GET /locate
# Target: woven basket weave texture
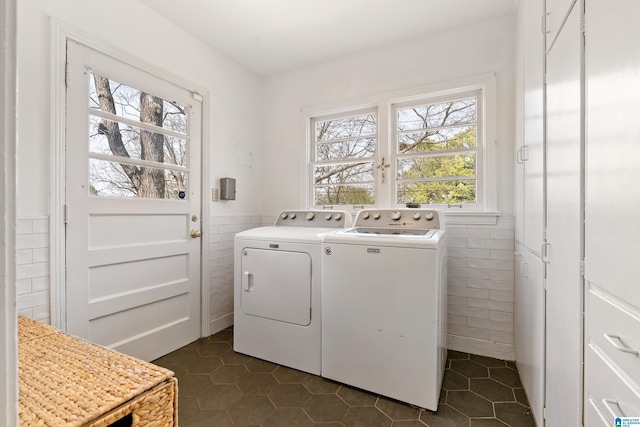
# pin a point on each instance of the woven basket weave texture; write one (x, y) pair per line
(67, 381)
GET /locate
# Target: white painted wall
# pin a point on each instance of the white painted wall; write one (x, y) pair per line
(469, 51)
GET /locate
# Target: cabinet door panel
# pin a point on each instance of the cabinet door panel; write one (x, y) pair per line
(613, 147)
(529, 327)
(519, 93)
(532, 153)
(529, 171)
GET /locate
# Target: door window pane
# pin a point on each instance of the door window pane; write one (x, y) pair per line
(138, 142)
(134, 141)
(111, 179)
(128, 102)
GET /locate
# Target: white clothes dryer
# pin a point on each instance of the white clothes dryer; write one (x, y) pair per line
(277, 288)
(384, 304)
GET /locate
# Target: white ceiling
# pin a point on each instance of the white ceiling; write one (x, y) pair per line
(268, 37)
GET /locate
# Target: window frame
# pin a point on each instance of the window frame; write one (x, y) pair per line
(479, 149)
(484, 211)
(313, 163)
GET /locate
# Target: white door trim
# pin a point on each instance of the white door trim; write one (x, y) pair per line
(8, 148)
(60, 33)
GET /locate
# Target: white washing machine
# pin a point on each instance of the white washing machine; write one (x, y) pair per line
(384, 304)
(277, 281)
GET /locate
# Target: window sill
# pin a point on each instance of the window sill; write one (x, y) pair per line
(471, 218)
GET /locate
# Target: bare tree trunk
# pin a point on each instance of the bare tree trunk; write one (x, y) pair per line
(146, 182)
(152, 147)
(112, 130)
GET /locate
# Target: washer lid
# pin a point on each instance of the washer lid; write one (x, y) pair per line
(428, 239)
(392, 231)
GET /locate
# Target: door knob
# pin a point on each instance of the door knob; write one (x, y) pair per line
(195, 234)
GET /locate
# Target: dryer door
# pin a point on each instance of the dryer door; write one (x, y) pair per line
(276, 285)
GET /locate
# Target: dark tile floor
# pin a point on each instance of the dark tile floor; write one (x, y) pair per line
(218, 387)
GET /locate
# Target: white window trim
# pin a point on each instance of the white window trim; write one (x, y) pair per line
(487, 212)
(8, 172)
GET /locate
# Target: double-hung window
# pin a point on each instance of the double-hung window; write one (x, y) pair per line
(437, 150)
(429, 148)
(344, 155)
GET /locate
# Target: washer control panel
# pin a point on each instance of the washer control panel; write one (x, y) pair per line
(400, 218)
(315, 218)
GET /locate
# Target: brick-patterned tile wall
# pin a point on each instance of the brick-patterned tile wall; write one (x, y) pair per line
(222, 231)
(32, 270)
(481, 288)
(480, 279)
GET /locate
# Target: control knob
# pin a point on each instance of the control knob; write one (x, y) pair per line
(376, 215)
(428, 216)
(365, 215)
(416, 215)
(309, 216)
(337, 217)
(292, 216)
(395, 215)
(284, 215)
(327, 217)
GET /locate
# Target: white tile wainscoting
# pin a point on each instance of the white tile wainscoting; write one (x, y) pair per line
(480, 279)
(481, 288)
(480, 282)
(32, 273)
(222, 230)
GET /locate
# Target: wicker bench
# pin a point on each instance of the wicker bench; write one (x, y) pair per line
(67, 381)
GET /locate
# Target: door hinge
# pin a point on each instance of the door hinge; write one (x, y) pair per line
(582, 267)
(583, 25)
(522, 155)
(543, 23)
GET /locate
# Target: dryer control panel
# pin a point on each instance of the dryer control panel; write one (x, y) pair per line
(315, 218)
(408, 219)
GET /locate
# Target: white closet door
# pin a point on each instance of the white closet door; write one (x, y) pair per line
(564, 289)
(613, 149)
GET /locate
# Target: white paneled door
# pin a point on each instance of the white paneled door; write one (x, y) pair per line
(133, 207)
(563, 254)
